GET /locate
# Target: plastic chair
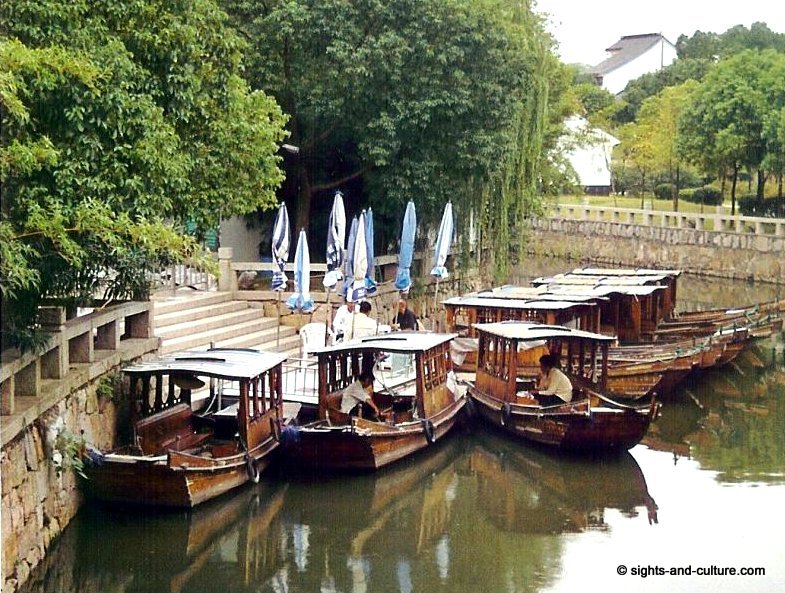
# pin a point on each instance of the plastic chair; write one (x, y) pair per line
(312, 335)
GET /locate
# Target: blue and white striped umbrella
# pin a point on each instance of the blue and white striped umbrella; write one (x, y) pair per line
(443, 243)
(359, 261)
(403, 280)
(348, 275)
(301, 298)
(336, 233)
(280, 245)
(370, 282)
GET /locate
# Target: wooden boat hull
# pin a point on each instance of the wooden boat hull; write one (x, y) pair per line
(172, 480)
(367, 445)
(575, 427)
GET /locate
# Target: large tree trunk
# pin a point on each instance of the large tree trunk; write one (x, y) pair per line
(733, 189)
(761, 184)
(304, 198)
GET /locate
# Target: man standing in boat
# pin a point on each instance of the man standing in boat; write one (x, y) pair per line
(553, 386)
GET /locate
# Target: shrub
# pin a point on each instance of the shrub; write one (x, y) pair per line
(750, 205)
(663, 191)
(702, 195)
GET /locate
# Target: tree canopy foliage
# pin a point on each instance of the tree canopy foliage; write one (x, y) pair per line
(430, 100)
(719, 108)
(121, 120)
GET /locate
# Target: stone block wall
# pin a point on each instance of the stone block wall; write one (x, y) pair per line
(39, 495)
(725, 255)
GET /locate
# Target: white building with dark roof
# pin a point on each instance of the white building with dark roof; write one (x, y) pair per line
(633, 56)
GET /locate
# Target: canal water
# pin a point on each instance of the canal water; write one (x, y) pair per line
(702, 497)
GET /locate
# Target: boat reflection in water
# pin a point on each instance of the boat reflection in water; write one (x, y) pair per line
(348, 533)
(730, 421)
(366, 532)
(531, 491)
(229, 544)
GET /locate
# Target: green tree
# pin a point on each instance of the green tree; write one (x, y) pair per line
(660, 115)
(424, 99)
(635, 152)
(118, 116)
(723, 125)
(648, 85)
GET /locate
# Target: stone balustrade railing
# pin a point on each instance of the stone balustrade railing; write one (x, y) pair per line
(717, 221)
(77, 351)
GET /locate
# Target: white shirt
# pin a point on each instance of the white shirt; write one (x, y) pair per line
(556, 383)
(359, 327)
(353, 395)
(342, 315)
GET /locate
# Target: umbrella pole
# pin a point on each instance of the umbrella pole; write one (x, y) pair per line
(435, 300)
(278, 327)
(329, 319)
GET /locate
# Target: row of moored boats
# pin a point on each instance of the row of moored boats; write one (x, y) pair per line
(207, 422)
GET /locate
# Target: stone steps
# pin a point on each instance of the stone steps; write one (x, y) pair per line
(173, 317)
(193, 320)
(188, 299)
(205, 324)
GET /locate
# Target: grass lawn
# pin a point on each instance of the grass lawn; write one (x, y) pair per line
(630, 202)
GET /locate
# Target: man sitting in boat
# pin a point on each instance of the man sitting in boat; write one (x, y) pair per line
(553, 386)
(358, 393)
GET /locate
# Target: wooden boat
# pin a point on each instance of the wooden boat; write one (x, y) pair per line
(628, 377)
(591, 421)
(179, 458)
(418, 396)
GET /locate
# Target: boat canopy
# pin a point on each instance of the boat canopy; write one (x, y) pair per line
(572, 291)
(401, 341)
(221, 363)
(510, 303)
(596, 281)
(525, 331)
(626, 272)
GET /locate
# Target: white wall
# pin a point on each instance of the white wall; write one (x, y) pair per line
(589, 152)
(655, 58)
(243, 241)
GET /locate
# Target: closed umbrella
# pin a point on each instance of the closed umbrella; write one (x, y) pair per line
(280, 249)
(403, 280)
(443, 243)
(348, 266)
(370, 283)
(301, 299)
(359, 261)
(336, 234)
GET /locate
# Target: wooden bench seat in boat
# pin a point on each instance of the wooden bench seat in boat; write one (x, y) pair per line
(170, 429)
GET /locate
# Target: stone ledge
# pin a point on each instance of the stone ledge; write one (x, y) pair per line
(54, 390)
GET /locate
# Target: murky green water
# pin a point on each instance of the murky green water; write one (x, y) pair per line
(480, 512)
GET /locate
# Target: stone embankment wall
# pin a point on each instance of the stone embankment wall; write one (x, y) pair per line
(53, 403)
(745, 256)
